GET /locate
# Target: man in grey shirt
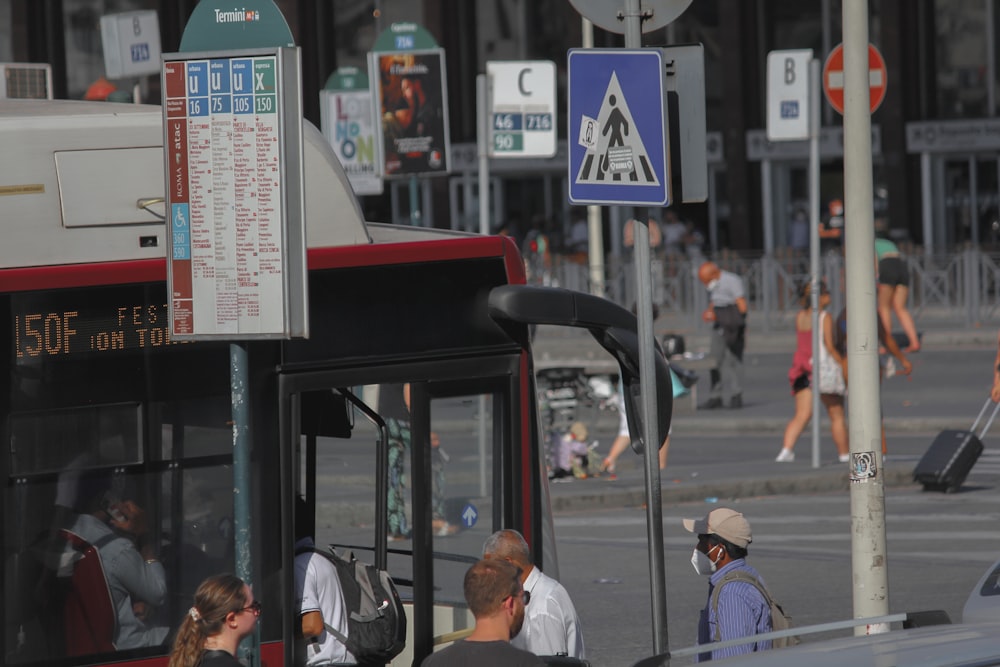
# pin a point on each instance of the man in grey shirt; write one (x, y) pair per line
(727, 309)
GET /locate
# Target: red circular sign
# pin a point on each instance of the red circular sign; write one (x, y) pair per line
(833, 78)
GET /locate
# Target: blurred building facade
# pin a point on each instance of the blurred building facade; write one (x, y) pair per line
(936, 146)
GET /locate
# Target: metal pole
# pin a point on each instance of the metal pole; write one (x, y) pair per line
(767, 204)
(868, 545)
(482, 109)
(415, 216)
(482, 102)
(926, 203)
(239, 383)
(644, 310)
(814, 270)
(595, 229)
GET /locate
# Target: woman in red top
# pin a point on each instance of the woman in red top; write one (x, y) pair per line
(831, 378)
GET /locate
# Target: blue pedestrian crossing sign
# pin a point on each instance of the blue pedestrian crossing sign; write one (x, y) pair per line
(617, 128)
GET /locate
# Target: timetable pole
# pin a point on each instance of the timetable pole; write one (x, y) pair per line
(647, 379)
(239, 382)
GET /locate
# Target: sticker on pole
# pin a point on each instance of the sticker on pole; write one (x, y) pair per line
(863, 466)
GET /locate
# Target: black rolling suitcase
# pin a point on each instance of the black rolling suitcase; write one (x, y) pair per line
(952, 454)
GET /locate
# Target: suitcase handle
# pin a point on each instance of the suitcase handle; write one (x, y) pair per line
(996, 408)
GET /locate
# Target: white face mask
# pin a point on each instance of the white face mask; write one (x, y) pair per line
(712, 284)
(702, 564)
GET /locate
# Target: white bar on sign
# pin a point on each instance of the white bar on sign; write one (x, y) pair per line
(835, 80)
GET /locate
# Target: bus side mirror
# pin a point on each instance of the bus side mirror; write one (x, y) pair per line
(614, 328)
(624, 345)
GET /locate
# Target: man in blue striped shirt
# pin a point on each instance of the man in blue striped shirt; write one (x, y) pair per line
(741, 611)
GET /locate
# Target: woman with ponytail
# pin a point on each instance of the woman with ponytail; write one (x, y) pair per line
(224, 612)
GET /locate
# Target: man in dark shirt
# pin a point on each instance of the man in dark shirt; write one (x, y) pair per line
(495, 597)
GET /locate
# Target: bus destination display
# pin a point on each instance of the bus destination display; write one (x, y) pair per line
(46, 332)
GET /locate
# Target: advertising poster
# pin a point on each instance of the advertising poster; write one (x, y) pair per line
(349, 126)
(412, 99)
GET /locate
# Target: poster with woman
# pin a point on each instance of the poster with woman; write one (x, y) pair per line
(412, 97)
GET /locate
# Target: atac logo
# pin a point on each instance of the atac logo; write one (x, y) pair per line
(237, 16)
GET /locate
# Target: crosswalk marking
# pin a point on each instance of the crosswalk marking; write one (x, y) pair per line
(618, 155)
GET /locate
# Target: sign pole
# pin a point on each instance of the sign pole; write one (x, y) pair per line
(415, 214)
(647, 379)
(595, 233)
(868, 544)
(814, 270)
(482, 111)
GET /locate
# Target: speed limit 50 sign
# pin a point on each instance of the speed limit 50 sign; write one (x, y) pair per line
(522, 108)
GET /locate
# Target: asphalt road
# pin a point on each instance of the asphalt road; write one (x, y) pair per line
(938, 547)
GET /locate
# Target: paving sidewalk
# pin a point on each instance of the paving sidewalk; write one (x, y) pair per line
(939, 395)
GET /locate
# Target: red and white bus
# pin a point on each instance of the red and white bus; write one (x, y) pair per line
(99, 400)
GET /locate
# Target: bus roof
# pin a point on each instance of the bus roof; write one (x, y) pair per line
(73, 173)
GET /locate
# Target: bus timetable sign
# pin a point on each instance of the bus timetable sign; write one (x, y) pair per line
(233, 150)
(522, 108)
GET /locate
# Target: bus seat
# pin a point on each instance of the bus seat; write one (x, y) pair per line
(88, 613)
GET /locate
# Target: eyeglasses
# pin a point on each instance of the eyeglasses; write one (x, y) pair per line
(525, 597)
(253, 608)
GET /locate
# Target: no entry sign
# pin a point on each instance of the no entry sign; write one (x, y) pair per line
(833, 78)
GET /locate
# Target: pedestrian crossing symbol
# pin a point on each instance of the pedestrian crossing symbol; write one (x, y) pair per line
(617, 106)
(614, 147)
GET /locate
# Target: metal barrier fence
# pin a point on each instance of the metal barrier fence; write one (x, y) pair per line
(962, 288)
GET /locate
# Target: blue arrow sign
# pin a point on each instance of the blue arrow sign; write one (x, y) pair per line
(469, 516)
(617, 127)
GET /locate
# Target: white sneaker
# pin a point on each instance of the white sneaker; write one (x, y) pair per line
(845, 458)
(785, 456)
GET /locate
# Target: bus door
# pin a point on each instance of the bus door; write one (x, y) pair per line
(411, 476)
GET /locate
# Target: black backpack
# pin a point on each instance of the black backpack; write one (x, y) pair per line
(376, 621)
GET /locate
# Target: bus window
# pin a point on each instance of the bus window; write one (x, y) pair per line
(113, 515)
(462, 502)
(63, 439)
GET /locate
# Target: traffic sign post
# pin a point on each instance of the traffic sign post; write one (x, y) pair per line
(833, 78)
(522, 108)
(617, 127)
(793, 115)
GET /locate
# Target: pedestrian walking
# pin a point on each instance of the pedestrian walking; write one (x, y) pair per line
(727, 311)
(893, 286)
(830, 382)
(995, 393)
(887, 341)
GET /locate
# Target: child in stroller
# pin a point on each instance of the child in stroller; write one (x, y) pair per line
(571, 453)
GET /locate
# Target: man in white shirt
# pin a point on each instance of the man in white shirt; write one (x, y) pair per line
(318, 597)
(551, 626)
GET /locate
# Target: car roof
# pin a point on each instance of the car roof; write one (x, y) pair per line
(960, 645)
(984, 600)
